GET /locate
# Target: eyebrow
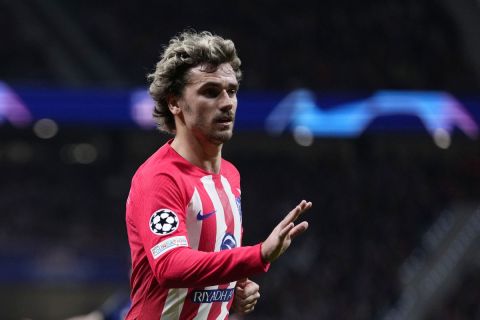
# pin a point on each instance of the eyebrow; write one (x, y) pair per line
(219, 84)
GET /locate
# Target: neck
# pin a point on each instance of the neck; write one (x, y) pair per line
(203, 154)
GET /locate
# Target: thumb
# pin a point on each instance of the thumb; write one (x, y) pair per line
(242, 283)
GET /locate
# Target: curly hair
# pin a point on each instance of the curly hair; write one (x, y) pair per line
(185, 51)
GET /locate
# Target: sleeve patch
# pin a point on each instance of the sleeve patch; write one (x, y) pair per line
(168, 244)
(163, 222)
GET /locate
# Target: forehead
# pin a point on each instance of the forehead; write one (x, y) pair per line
(223, 75)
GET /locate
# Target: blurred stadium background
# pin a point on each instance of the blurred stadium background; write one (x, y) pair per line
(370, 109)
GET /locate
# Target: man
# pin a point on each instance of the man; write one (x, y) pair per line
(183, 211)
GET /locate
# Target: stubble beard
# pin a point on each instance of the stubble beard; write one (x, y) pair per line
(224, 135)
(209, 130)
(218, 137)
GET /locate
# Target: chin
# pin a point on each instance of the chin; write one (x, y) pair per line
(221, 137)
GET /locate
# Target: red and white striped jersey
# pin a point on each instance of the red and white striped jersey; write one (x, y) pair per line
(184, 228)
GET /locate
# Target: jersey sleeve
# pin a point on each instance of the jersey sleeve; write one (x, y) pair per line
(158, 213)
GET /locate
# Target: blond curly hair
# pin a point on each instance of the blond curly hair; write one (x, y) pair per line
(184, 52)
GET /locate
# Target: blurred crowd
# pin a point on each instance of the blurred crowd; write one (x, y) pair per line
(327, 45)
(462, 302)
(373, 196)
(373, 199)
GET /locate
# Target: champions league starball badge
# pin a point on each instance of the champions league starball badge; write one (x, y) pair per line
(163, 222)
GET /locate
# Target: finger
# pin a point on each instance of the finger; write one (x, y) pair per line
(284, 232)
(251, 288)
(307, 206)
(249, 300)
(248, 310)
(291, 215)
(250, 291)
(303, 207)
(242, 283)
(299, 229)
(296, 212)
(240, 292)
(249, 306)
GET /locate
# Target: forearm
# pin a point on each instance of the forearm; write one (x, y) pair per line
(186, 268)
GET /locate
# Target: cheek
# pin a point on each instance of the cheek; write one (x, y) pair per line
(203, 117)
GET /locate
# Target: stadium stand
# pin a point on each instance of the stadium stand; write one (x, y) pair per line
(63, 247)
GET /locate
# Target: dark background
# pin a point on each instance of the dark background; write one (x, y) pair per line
(63, 247)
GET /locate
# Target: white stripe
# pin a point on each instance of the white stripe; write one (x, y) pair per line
(236, 215)
(174, 304)
(194, 227)
(209, 185)
(224, 311)
(204, 308)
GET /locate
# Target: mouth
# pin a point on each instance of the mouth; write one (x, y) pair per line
(224, 120)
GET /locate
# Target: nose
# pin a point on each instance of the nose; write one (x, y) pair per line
(227, 102)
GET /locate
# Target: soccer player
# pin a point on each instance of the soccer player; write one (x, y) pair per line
(183, 212)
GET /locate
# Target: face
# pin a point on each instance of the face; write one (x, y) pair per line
(209, 102)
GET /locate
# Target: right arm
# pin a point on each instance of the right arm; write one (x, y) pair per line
(182, 266)
(172, 261)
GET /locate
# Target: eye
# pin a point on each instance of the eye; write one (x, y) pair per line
(232, 92)
(211, 92)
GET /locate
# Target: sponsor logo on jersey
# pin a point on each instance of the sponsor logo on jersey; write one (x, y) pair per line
(168, 244)
(204, 216)
(209, 296)
(228, 242)
(163, 222)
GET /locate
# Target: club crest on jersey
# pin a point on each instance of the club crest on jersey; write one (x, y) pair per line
(163, 221)
(228, 242)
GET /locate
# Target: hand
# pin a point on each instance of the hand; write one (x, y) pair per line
(281, 237)
(246, 296)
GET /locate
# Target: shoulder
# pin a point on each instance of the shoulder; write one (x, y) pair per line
(158, 172)
(230, 172)
(158, 163)
(228, 169)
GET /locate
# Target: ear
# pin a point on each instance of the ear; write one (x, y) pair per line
(173, 105)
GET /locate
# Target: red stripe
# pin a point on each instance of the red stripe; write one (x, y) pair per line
(225, 204)
(230, 222)
(208, 236)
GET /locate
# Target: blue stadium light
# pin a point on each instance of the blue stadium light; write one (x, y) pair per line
(12, 109)
(436, 110)
(299, 112)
